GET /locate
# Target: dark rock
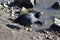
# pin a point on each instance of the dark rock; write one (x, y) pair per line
(55, 27)
(24, 3)
(56, 5)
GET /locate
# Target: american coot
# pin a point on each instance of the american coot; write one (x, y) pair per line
(56, 5)
(28, 19)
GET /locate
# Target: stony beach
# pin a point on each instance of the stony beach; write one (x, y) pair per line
(14, 31)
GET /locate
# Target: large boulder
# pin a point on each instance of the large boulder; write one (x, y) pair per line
(25, 3)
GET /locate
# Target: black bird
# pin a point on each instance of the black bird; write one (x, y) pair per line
(56, 5)
(28, 19)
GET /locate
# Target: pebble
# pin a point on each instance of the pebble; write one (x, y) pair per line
(39, 37)
(57, 21)
(53, 37)
(46, 32)
(41, 12)
(32, 37)
(8, 2)
(12, 12)
(24, 10)
(30, 29)
(26, 29)
(5, 5)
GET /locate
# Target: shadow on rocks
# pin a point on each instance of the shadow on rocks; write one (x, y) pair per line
(13, 26)
(10, 19)
(42, 30)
